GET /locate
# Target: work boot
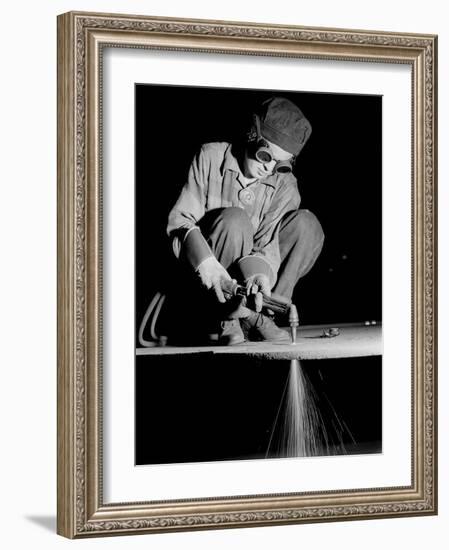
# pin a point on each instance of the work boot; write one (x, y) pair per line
(261, 328)
(230, 333)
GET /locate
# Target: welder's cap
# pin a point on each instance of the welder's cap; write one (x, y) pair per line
(282, 123)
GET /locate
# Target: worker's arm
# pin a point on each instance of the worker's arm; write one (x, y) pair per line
(190, 207)
(188, 210)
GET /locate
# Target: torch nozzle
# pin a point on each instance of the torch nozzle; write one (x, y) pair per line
(293, 320)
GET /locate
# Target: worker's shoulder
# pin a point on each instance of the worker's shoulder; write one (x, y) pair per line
(287, 187)
(289, 178)
(215, 148)
(287, 181)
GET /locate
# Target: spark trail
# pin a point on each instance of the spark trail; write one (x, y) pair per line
(299, 428)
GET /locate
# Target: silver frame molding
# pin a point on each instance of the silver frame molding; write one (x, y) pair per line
(81, 37)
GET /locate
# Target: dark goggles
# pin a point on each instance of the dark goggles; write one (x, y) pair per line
(264, 155)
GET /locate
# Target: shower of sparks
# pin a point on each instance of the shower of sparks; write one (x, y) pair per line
(299, 424)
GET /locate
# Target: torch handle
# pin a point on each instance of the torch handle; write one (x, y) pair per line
(275, 302)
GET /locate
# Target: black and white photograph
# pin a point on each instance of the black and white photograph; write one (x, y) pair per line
(258, 274)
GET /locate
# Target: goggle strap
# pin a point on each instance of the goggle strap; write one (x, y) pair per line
(257, 122)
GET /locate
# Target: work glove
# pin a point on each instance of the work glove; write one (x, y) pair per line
(213, 276)
(256, 285)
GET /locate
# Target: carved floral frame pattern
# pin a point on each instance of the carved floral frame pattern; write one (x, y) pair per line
(81, 37)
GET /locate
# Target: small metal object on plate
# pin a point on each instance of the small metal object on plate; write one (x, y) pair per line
(331, 332)
(162, 341)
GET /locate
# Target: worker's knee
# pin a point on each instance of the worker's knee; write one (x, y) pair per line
(230, 221)
(235, 216)
(308, 222)
(235, 220)
(304, 224)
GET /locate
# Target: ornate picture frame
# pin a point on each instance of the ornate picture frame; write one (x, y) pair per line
(82, 508)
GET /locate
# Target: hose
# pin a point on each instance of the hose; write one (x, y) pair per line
(153, 310)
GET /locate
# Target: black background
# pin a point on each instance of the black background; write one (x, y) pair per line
(339, 179)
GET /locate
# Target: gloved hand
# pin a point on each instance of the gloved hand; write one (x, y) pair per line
(212, 274)
(256, 285)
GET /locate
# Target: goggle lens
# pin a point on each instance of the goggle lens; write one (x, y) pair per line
(263, 155)
(283, 167)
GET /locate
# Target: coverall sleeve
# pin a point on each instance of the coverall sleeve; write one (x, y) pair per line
(189, 209)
